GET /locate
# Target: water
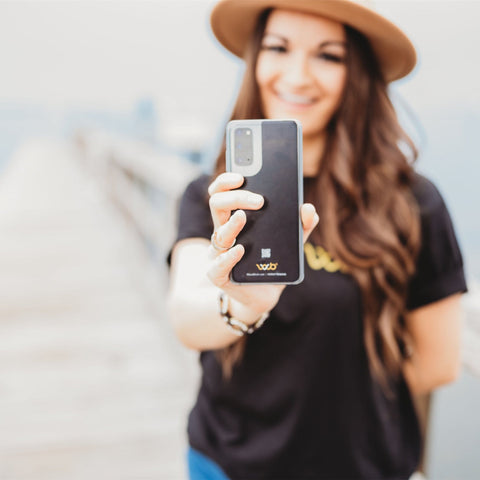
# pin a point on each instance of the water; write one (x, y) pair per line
(455, 431)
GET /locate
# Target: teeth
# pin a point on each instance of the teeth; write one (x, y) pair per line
(290, 97)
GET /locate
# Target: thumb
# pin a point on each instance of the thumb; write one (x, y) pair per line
(309, 218)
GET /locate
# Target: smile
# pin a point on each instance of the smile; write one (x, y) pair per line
(296, 99)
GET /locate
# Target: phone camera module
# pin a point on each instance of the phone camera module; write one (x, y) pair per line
(243, 146)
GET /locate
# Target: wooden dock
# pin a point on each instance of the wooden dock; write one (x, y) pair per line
(93, 385)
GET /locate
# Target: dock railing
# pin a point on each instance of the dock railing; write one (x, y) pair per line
(144, 183)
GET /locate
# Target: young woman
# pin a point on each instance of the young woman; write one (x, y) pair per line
(323, 390)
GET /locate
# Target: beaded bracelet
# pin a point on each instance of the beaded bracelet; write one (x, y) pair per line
(238, 327)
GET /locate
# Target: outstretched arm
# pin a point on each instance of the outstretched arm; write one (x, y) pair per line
(199, 272)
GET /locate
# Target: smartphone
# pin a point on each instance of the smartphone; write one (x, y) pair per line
(268, 153)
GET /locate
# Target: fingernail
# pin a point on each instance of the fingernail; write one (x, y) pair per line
(309, 206)
(235, 176)
(237, 215)
(255, 199)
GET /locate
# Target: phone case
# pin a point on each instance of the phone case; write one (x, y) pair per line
(268, 153)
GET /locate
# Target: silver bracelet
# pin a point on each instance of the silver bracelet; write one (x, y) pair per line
(238, 327)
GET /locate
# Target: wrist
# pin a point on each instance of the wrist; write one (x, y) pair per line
(238, 317)
(243, 312)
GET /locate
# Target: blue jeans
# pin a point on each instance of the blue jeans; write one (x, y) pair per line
(201, 467)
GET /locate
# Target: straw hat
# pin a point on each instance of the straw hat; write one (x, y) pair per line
(233, 21)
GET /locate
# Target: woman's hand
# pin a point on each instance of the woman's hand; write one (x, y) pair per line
(248, 302)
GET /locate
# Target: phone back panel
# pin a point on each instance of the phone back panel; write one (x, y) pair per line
(272, 236)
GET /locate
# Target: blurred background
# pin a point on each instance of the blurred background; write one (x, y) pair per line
(107, 110)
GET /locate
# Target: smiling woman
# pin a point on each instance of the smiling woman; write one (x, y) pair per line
(324, 388)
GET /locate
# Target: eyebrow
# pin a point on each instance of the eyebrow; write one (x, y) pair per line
(326, 43)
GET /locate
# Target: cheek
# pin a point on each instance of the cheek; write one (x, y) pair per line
(336, 85)
(261, 76)
(333, 82)
(265, 71)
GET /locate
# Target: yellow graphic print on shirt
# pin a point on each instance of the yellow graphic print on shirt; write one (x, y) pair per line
(318, 258)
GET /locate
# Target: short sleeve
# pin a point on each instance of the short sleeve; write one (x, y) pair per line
(194, 219)
(439, 271)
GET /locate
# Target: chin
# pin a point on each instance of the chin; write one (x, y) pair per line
(313, 132)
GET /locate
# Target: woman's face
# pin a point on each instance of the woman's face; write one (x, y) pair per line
(301, 70)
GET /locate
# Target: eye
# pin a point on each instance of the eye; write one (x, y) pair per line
(331, 57)
(274, 48)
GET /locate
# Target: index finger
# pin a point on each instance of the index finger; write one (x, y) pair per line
(226, 181)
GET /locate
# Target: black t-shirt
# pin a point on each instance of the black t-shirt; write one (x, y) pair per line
(302, 404)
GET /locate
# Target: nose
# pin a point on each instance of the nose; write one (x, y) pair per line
(297, 72)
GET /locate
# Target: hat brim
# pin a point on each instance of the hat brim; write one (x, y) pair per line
(233, 22)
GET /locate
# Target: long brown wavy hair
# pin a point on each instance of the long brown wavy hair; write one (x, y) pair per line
(369, 219)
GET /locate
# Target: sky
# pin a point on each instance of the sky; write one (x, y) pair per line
(109, 53)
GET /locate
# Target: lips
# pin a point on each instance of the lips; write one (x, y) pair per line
(296, 99)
